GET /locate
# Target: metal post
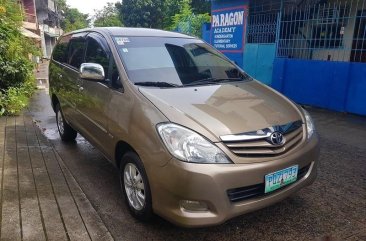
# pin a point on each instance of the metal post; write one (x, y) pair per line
(278, 29)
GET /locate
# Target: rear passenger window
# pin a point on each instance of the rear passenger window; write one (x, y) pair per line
(96, 54)
(76, 52)
(60, 51)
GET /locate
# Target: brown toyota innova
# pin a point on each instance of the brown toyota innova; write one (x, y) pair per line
(197, 141)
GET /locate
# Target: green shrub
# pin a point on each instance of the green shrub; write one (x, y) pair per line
(15, 99)
(2, 103)
(16, 69)
(188, 22)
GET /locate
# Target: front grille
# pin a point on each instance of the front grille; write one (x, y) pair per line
(261, 147)
(256, 191)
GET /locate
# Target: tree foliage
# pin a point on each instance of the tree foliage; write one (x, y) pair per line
(186, 21)
(142, 13)
(61, 5)
(185, 16)
(201, 6)
(109, 16)
(72, 19)
(16, 76)
(15, 66)
(171, 7)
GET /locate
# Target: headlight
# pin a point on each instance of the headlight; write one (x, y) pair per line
(189, 146)
(309, 123)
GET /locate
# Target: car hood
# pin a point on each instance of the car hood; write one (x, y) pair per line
(217, 110)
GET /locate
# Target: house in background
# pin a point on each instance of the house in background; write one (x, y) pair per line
(49, 24)
(41, 23)
(30, 27)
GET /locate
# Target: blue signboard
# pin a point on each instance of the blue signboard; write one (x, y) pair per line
(228, 28)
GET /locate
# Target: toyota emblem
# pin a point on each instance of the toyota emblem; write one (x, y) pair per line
(277, 138)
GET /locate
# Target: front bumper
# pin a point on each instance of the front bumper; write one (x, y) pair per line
(209, 183)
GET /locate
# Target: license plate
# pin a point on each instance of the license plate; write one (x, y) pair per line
(278, 179)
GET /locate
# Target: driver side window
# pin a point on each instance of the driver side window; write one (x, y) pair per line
(95, 53)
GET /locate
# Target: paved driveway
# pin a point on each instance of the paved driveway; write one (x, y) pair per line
(335, 205)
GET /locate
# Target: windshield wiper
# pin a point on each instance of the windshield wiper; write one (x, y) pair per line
(213, 81)
(157, 84)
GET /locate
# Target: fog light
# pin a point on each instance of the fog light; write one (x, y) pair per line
(196, 206)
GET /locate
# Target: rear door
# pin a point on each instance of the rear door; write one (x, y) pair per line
(71, 80)
(58, 80)
(95, 96)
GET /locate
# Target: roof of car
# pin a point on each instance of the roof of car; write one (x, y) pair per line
(141, 32)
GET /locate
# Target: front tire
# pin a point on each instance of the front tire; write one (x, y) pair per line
(67, 133)
(135, 187)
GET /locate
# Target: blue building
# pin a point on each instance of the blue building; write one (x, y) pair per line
(313, 51)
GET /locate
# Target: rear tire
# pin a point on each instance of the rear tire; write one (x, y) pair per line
(67, 133)
(135, 187)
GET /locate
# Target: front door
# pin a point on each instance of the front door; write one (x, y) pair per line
(95, 96)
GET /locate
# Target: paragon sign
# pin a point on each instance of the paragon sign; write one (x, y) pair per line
(228, 19)
(228, 29)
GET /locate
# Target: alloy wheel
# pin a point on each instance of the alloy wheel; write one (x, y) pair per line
(60, 122)
(134, 186)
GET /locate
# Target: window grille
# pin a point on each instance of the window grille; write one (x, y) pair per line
(262, 28)
(331, 31)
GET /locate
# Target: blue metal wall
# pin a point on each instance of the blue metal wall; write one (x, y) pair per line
(258, 61)
(339, 86)
(206, 32)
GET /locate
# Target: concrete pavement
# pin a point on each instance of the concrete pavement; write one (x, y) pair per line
(40, 199)
(42, 75)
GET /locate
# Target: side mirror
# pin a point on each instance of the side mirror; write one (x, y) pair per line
(93, 72)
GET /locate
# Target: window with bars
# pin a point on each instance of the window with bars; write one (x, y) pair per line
(262, 28)
(330, 30)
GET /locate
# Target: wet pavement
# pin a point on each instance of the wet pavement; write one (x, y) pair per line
(40, 199)
(333, 207)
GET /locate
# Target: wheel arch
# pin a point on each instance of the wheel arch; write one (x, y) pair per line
(54, 102)
(122, 148)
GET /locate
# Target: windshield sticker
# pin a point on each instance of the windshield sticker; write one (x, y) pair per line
(122, 41)
(125, 50)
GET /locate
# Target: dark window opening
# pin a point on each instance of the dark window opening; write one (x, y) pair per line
(329, 36)
(60, 51)
(96, 54)
(358, 53)
(76, 52)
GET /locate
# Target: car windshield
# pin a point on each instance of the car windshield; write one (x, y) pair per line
(174, 62)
